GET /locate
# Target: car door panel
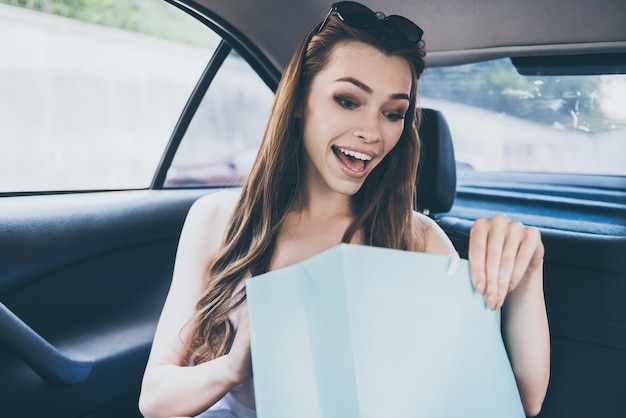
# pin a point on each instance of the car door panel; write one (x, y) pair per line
(87, 274)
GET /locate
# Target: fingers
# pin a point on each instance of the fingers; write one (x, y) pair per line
(529, 256)
(243, 319)
(239, 354)
(501, 254)
(511, 264)
(477, 253)
(487, 241)
(242, 337)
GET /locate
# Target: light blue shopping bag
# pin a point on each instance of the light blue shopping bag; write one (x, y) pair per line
(365, 332)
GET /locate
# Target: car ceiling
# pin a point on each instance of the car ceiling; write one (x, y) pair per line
(456, 31)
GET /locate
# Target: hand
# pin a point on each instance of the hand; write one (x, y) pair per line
(502, 254)
(239, 355)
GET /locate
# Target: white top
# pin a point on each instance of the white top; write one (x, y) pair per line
(228, 407)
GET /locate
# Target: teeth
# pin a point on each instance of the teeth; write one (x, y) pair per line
(354, 154)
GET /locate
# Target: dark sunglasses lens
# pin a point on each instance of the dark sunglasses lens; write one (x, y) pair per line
(410, 30)
(355, 14)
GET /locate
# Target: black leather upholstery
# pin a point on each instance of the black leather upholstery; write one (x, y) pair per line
(436, 174)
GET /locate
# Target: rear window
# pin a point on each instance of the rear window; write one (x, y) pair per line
(503, 121)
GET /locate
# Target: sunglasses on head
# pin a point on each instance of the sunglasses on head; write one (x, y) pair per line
(362, 17)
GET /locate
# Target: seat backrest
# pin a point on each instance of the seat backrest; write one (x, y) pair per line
(436, 173)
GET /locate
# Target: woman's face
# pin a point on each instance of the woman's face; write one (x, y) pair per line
(354, 115)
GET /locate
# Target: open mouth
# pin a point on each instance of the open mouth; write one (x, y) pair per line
(353, 160)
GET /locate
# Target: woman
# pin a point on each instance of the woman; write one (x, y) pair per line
(337, 164)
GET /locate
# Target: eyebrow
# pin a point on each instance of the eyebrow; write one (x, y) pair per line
(368, 89)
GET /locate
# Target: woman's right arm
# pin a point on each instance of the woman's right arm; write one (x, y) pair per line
(171, 387)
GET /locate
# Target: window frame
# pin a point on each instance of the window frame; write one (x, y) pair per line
(231, 40)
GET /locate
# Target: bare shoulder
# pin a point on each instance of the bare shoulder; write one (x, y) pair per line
(214, 206)
(437, 242)
(200, 240)
(208, 218)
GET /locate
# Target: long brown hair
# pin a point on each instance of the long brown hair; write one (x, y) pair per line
(382, 208)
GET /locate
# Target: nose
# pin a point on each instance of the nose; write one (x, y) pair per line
(369, 130)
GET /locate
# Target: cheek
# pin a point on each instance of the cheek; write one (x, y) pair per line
(322, 125)
(392, 138)
(314, 138)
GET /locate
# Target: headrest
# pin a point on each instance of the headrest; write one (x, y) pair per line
(436, 172)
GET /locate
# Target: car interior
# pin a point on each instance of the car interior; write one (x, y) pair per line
(84, 271)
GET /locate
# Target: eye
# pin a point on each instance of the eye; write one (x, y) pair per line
(346, 103)
(394, 116)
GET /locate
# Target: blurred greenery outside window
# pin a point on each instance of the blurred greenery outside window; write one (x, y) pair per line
(503, 121)
(155, 18)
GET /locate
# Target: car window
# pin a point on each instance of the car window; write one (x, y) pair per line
(90, 92)
(222, 140)
(503, 121)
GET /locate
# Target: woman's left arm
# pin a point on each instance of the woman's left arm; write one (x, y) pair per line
(506, 263)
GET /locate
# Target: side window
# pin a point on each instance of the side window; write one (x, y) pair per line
(223, 137)
(90, 92)
(502, 120)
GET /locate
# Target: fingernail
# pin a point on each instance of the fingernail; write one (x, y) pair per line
(480, 287)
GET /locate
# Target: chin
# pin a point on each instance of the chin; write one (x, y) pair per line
(347, 188)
